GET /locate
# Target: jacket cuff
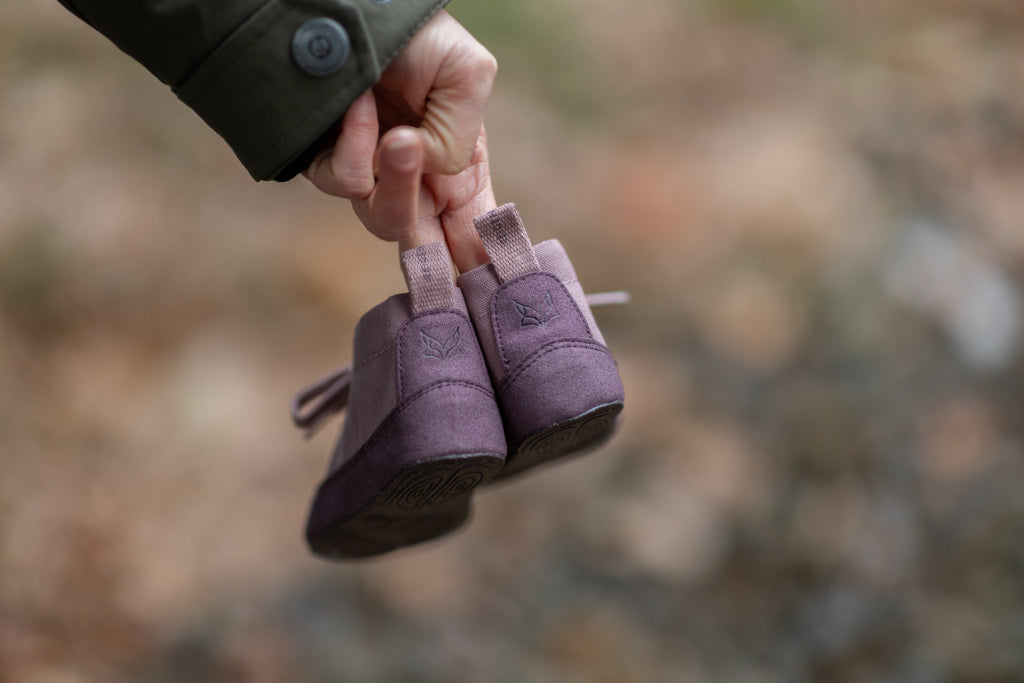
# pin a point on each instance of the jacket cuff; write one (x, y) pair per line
(270, 110)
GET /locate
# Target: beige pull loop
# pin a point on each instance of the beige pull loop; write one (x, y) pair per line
(505, 239)
(428, 273)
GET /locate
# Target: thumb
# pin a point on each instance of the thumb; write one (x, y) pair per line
(392, 211)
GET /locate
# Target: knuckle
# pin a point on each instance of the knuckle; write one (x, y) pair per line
(491, 64)
(474, 64)
(349, 185)
(485, 63)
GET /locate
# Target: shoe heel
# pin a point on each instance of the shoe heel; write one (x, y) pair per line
(565, 398)
(576, 436)
(423, 462)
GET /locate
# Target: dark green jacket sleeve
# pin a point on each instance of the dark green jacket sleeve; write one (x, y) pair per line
(232, 62)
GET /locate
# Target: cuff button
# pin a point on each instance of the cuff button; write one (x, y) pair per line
(320, 46)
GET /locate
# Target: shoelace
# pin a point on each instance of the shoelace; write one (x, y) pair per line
(329, 394)
(607, 298)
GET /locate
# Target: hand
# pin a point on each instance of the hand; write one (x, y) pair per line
(413, 208)
(439, 83)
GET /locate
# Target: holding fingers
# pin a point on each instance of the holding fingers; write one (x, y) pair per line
(439, 84)
(414, 208)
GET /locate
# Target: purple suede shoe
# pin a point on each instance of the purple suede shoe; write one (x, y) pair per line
(422, 428)
(557, 384)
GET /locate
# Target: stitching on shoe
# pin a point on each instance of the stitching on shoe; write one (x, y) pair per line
(403, 405)
(441, 350)
(530, 315)
(379, 352)
(387, 347)
(543, 351)
(494, 318)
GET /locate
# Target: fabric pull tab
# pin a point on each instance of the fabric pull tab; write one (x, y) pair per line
(428, 273)
(505, 239)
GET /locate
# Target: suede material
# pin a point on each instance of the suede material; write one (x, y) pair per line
(546, 356)
(438, 346)
(532, 310)
(479, 284)
(374, 391)
(379, 326)
(561, 381)
(443, 419)
(553, 259)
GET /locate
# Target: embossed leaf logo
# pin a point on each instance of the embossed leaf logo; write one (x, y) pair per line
(436, 349)
(532, 316)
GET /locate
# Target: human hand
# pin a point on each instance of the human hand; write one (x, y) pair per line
(413, 208)
(439, 84)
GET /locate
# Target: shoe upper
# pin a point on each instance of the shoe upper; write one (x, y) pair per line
(547, 358)
(545, 298)
(397, 354)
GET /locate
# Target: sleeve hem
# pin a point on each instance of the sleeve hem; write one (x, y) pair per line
(250, 91)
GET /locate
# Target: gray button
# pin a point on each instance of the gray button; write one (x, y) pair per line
(320, 46)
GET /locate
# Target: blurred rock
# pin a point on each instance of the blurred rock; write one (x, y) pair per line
(979, 306)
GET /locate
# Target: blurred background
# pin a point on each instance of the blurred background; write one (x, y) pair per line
(818, 207)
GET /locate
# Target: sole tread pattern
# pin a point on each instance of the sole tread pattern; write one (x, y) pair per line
(423, 501)
(571, 437)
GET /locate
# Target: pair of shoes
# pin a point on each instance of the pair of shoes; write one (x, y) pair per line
(454, 386)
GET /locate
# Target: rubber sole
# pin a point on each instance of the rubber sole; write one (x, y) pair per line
(421, 502)
(571, 437)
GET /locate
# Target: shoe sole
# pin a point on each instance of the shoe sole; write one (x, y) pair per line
(421, 502)
(571, 437)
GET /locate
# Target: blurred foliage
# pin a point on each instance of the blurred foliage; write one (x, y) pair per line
(537, 45)
(782, 11)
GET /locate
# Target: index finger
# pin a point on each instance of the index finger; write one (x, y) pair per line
(456, 101)
(392, 209)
